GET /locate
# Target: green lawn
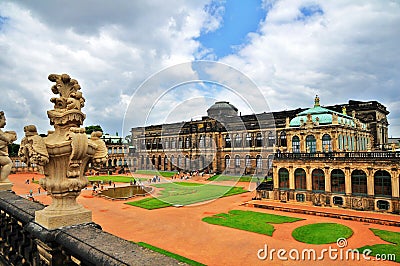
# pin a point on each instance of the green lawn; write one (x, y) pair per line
(250, 221)
(321, 233)
(182, 193)
(386, 249)
(234, 178)
(114, 178)
(153, 173)
(170, 254)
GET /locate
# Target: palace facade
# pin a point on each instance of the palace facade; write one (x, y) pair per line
(330, 156)
(330, 161)
(226, 142)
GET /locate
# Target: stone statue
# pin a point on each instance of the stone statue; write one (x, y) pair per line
(6, 138)
(64, 154)
(33, 148)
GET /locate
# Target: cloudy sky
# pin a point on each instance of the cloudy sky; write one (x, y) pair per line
(135, 56)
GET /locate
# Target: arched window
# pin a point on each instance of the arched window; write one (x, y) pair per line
(337, 181)
(259, 162)
(180, 143)
(109, 150)
(166, 144)
(270, 161)
(382, 184)
(210, 142)
(340, 142)
(159, 144)
(358, 182)
(159, 161)
(311, 144)
(283, 178)
(187, 162)
(202, 141)
(141, 161)
(142, 144)
(173, 143)
(300, 179)
(318, 180)
(154, 146)
(247, 161)
(326, 143)
(172, 162)
(179, 162)
(249, 141)
(148, 145)
(296, 144)
(271, 139)
(283, 139)
(187, 143)
(227, 161)
(227, 141)
(259, 140)
(237, 161)
(238, 140)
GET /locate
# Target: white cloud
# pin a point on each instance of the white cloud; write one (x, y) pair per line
(340, 50)
(109, 48)
(349, 50)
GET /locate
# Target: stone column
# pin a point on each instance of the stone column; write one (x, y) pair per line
(370, 182)
(318, 144)
(327, 179)
(347, 181)
(289, 137)
(302, 143)
(308, 178)
(291, 177)
(395, 183)
(275, 176)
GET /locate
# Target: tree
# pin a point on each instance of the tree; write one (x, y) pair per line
(90, 129)
(13, 149)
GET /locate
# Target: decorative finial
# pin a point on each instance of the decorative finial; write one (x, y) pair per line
(316, 101)
(344, 110)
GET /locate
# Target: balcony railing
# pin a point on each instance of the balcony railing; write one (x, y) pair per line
(372, 155)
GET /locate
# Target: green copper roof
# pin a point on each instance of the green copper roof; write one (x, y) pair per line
(323, 114)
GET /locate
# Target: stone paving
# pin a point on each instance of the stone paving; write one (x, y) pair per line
(180, 230)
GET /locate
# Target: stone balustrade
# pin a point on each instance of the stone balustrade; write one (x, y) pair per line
(25, 242)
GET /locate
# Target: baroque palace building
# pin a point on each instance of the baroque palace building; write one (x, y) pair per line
(332, 156)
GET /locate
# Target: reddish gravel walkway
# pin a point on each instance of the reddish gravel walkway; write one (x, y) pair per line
(181, 230)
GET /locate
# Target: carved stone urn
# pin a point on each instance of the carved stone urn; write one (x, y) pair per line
(64, 154)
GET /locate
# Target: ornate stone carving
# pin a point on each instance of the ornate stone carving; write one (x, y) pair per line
(283, 196)
(6, 138)
(357, 203)
(64, 153)
(316, 199)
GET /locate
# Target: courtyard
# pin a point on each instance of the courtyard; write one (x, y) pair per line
(183, 230)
